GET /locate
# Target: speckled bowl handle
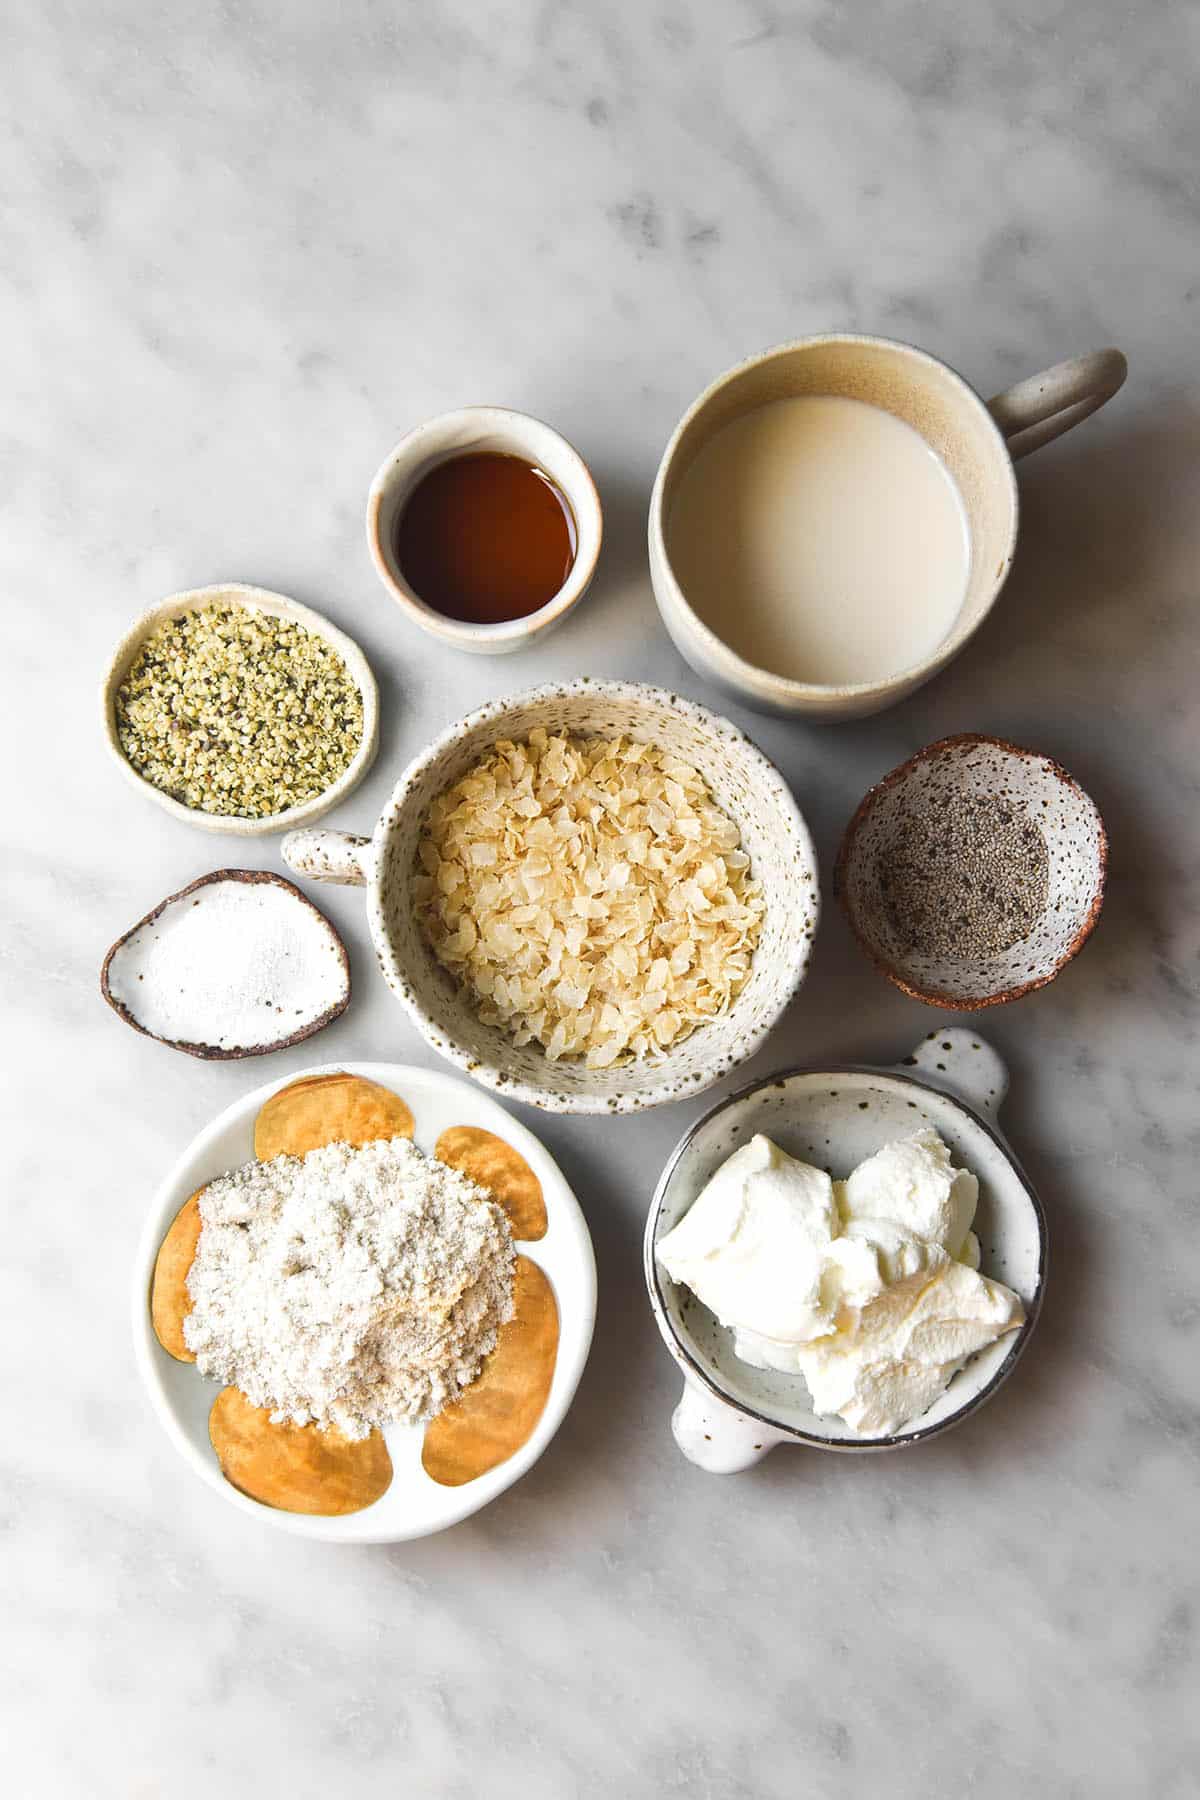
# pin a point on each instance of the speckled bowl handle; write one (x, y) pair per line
(337, 856)
(964, 1066)
(1042, 407)
(715, 1436)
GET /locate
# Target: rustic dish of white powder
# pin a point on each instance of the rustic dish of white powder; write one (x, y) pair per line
(350, 1287)
(235, 964)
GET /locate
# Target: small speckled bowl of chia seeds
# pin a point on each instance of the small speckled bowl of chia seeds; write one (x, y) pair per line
(239, 710)
(974, 872)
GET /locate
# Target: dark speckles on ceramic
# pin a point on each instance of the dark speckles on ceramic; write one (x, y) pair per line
(927, 783)
(958, 1090)
(743, 783)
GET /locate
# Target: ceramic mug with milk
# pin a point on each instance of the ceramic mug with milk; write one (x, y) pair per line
(833, 519)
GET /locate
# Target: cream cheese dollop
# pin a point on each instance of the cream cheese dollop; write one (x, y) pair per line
(869, 1288)
(912, 1184)
(752, 1244)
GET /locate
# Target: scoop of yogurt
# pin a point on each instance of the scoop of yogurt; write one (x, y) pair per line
(869, 1288)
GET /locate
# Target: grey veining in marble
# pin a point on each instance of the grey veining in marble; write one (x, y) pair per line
(243, 248)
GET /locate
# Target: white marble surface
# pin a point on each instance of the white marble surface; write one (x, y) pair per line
(244, 247)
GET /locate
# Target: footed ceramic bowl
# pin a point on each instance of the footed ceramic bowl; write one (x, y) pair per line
(926, 785)
(731, 1414)
(748, 788)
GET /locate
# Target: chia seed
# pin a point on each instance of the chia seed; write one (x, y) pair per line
(966, 882)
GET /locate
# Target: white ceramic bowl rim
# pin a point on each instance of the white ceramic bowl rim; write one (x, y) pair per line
(239, 593)
(580, 493)
(431, 1028)
(750, 673)
(682, 1350)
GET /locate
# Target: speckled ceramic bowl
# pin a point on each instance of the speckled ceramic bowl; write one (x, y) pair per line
(730, 1414)
(237, 593)
(926, 785)
(748, 788)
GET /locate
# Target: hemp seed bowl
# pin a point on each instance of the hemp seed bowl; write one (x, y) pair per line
(239, 710)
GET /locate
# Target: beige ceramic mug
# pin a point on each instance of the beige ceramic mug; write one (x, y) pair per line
(977, 442)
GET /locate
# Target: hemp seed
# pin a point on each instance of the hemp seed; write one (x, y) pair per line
(230, 710)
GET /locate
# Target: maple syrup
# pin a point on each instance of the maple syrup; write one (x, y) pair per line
(486, 537)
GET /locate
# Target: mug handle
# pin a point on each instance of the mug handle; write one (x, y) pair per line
(1042, 407)
(337, 856)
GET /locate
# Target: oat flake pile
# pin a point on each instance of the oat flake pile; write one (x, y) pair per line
(590, 894)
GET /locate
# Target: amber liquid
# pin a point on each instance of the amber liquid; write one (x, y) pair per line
(485, 537)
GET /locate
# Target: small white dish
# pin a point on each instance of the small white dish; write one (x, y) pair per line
(414, 1505)
(473, 430)
(236, 593)
(748, 788)
(731, 1414)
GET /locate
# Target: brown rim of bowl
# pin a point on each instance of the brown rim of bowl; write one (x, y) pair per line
(212, 1052)
(950, 1002)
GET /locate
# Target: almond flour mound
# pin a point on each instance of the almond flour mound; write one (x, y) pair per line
(350, 1287)
(590, 894)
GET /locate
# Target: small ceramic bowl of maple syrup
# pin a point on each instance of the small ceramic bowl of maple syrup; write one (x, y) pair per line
(484, 526)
